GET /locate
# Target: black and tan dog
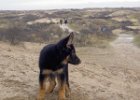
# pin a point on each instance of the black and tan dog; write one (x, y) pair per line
(53, 63)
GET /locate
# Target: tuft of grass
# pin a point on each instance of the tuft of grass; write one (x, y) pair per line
(74, 26)
(137, 40)
(98, 41)
(93, 40)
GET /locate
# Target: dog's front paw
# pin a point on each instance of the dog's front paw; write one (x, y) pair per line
(40, 98)
(61, 98)
(68, 92)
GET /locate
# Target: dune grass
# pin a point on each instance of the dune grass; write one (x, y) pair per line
(137, 40)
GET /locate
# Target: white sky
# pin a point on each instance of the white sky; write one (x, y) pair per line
(59, 4)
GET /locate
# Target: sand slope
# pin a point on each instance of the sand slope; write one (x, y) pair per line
(105, 74)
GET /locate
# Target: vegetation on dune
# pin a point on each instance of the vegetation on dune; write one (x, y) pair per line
(33, 33)
(93, 27)
(137, 40)
(96, 32)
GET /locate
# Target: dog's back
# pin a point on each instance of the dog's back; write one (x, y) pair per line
(49, 57)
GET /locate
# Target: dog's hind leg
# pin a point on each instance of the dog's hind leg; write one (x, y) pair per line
(62, 83)
(42, 89)
(67, 87)
(52, 83)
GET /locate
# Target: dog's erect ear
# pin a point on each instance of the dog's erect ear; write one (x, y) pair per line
(67, 40)
(71, 36)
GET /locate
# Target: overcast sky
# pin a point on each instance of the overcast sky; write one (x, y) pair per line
(59, 4)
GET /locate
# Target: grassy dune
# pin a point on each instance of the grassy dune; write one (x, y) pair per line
(137, 40)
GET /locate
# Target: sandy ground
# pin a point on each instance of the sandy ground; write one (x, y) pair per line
(65, 27)
(104, 74)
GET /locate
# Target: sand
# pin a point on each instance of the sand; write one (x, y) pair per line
(105, 74)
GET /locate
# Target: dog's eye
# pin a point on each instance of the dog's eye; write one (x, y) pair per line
(63, 49)
(69, 49)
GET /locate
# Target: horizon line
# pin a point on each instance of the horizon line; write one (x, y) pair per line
(68, 8)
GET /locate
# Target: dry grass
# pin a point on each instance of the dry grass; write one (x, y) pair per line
(137, 40)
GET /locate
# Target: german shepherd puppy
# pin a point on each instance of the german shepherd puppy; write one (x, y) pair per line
(53, 63)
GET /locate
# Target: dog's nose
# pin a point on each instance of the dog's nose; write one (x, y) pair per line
(79, 61)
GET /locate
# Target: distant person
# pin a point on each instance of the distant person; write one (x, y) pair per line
(61, 21)
(66, 22)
